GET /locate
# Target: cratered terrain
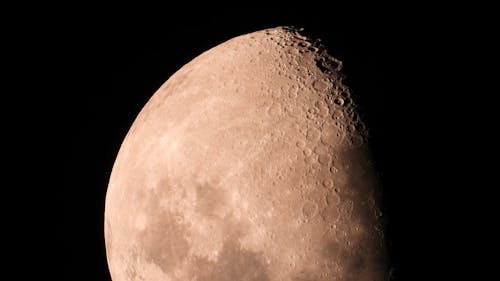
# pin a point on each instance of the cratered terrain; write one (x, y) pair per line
(251, 162)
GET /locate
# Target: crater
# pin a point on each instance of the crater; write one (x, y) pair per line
(330, 214)
(309, 209)
(331, 134)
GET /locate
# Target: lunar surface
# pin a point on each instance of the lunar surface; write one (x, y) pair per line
(249, 163)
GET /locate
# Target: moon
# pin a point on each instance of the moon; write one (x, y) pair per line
(251, 162)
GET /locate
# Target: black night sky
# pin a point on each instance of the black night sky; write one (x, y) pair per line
(112, 61)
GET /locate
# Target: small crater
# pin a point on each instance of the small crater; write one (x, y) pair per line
(328, 183)
(320, 85)
(301, 144)
(294, 110)
(312, 113)
(356, 140)
(328, 64)
(309, 209)
(315, 165)
(345, 94)
(333, 170)
(351, 128)
(292, 94)
(331, 134)
(313, 135)
(324, 159)
(338, 114)
(311, 159)
(360, 127)
(324, 111)
(330, 214)
(321, 149)
(349, 110)
(339, 101)
(307, 151)
(332, 199)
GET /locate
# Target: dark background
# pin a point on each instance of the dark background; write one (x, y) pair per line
(109, 62)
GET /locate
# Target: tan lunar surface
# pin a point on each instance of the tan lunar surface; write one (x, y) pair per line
(249, 163)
